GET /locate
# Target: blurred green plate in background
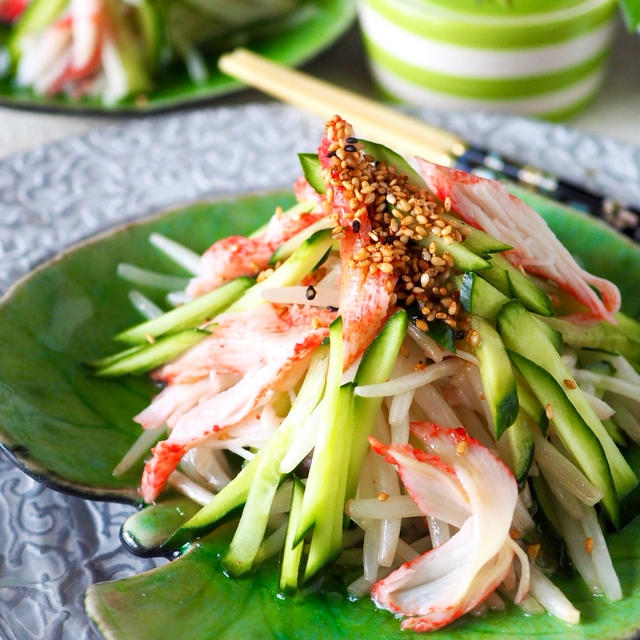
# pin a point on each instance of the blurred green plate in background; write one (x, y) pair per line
(320, 25)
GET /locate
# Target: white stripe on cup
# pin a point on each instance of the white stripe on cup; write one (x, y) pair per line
(442, 13)
(449, 59)
(547, 103)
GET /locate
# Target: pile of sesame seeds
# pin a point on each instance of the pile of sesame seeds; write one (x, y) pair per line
(404, 225)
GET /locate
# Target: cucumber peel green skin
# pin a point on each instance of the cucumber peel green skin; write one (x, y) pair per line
(498, 380)
(229, 498)
(517, 446)
(391, 158)
(530, 404)
(244, 546)
(601, 335)
(554, 336)
(141, 360)
(483, 244)
(312, 169)
(474, 239)
(189, 315)
(326, 539)
(107, 361)
(376, 366)
(299, 264)
(512, 283)
(130, 50)
(151, 29)
(463, 258)
(479, 297)
(263, 468)
(576, 436)
(325, 464)
(521, 334)
(439, 330)
(628, 326)
(290, 567)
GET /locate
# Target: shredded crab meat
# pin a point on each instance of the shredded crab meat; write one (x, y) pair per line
(365, 294)
(276, 366)
(451, 579)
(487, 204)
(236, 256)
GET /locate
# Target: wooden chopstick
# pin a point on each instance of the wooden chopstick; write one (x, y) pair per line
(370, 119)
(412, 137)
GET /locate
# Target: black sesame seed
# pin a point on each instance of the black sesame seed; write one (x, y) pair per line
(331, 154)
(356, 226)
(352, 140)
(350, 147)
(460, 335)
(310, 293)
(331, 308)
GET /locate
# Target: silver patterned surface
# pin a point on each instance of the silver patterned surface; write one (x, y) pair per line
(53, 546)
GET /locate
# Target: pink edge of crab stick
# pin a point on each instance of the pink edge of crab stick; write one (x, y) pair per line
(365, 290)
(276, 360)
(245, 256)
(487, 205)
(446, 582)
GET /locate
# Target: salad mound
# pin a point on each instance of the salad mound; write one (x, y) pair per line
(405, 374)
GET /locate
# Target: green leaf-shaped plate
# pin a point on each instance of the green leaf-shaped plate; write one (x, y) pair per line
(319, 26)
(70, 429)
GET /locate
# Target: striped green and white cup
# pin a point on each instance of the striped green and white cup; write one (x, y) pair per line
(536, 57)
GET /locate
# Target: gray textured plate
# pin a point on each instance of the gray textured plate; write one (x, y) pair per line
(54, 546)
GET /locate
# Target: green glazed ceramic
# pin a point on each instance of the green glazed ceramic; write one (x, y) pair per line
(70, 429)
(295, 44)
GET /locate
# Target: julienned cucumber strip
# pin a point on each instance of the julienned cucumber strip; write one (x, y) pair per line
(151, 31)
(376, 366)
(513, 283)
(521, 333)
(531, 405)
(321, 481)
(383, 154)
(600, 335)
(226, 500)
(554, 336)
(576, 436)
(38, 15)
(312, 169)
(477, 241)
(326, 539)
(298, 265)
(498, 380)
(517, 446)
(628, 326)
(288, 247)
(189, 315)
(483, 244)
(107, 361)
(140, 360)
(290, 567)
(240, 557)
(464, 259)
(479, 297)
